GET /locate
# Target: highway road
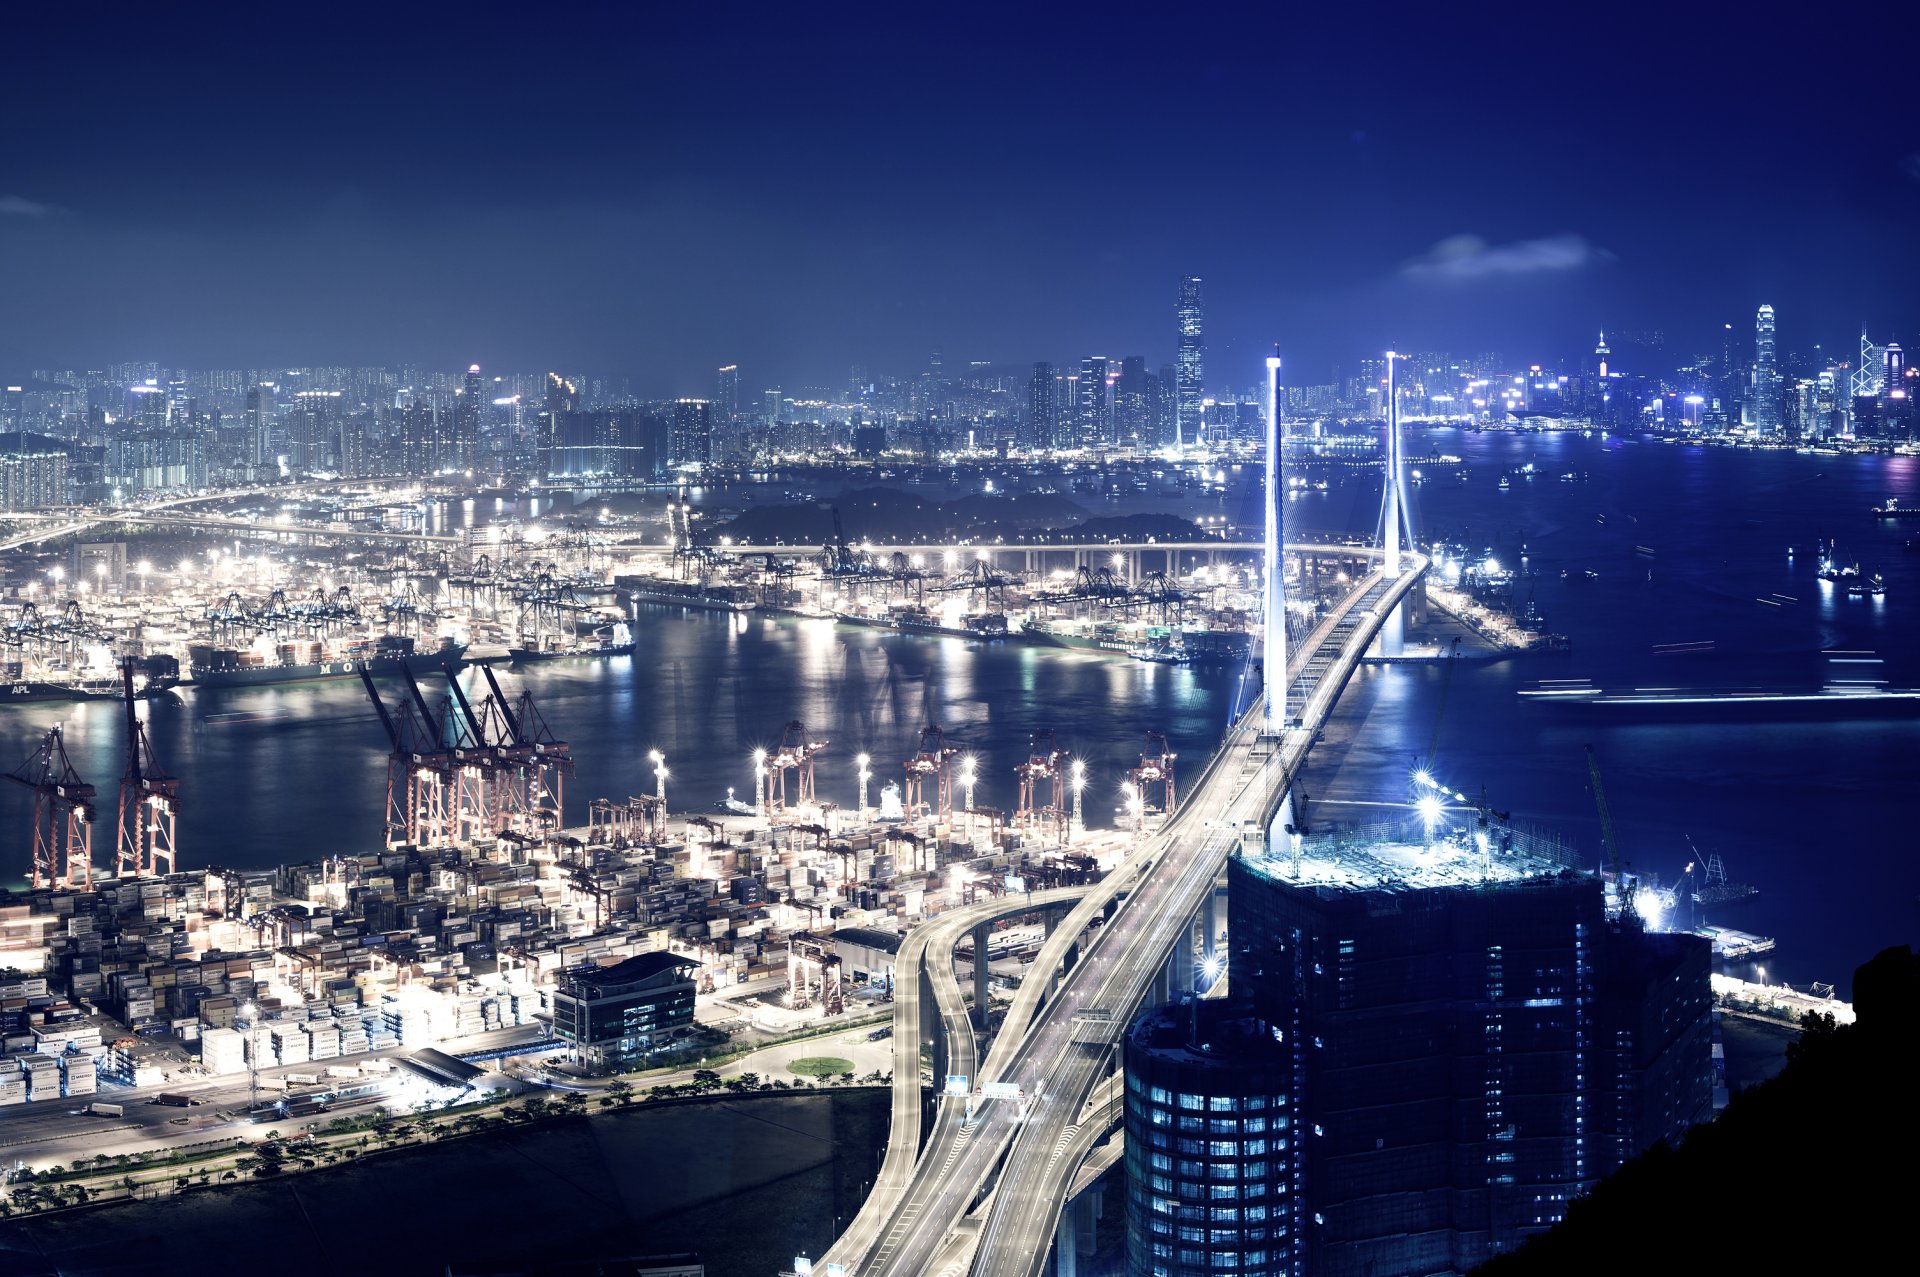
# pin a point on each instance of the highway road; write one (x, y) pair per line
(1058, 1052)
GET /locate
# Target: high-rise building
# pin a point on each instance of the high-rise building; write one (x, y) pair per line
(726, 410)
(1472, 1043)
(1131, 425)
(1189, 360)
(1766, 375)
(1043, 407)
(468, 412)
(1210, 1143)
(691, 434)
(1093, 422)
(259, 447)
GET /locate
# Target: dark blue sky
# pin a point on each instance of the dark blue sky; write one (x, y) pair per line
(652, 191)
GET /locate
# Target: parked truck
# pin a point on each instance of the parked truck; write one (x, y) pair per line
(106, 1110)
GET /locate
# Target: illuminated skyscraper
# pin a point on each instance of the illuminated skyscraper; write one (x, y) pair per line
(1189, 360)
(1094, 423)
(467, 415)
(726, 408)
(1766, 375)
(1043, 407)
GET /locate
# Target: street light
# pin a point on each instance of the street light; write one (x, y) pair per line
(659, 762)
(967, 778)
(861, 761)
(760, 781)
(1079, 772)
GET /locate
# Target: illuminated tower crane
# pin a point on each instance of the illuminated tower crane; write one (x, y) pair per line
(62, 816)
(795, 754)
(149, 799)
(933, 761)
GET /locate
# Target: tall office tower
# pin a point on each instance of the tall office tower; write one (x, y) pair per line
(13, 409)
(1766, 375)
(1166, 414)
(690, 439)
(562, 401)
(1210, 1143)
(1043, 407)
(469, 410)
(1093, 420)
(771, 411)
(259, 426)
(726, 409)
(1189, 361)
(1600, 353)
(1131, 425)
(1472, 1042)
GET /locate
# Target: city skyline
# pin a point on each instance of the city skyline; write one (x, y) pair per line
(627, 217)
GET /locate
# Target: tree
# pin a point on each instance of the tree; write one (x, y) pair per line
(705, 1079)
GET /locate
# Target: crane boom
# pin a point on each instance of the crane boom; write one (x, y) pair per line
(1606, 815)
(1623, 887)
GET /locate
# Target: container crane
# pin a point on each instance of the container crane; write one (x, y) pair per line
(62, 816)
(149, 798)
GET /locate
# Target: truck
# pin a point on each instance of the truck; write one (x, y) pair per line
(178, 1099)
(107, 1110)
(302, 1079)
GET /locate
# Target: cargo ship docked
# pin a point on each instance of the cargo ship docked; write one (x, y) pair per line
(310, 661)
(613, 640)
(914, 619)
(24, 684)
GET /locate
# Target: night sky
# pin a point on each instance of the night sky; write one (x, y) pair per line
(653, 191)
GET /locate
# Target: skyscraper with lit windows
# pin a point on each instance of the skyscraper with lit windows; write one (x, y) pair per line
(1766, 375)
(1189, 361)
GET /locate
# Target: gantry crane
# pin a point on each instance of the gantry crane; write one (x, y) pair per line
(62, 816)
(149, 798)
(795, 754)
(1156, 768)
(934, 760)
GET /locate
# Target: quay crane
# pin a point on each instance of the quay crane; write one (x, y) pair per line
(149, 799)
(932, 761)
(62, 816)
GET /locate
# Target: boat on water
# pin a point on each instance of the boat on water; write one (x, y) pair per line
(607, 640)
(1836, 698)
(911, 618)
(1894, 510)
(310, 661)
(718, 598)
(28, 684)
(1717, 889)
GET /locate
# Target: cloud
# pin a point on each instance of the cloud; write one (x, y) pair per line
(1469, 257)
(20, 206)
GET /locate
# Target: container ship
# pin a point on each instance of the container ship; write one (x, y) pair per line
(607, 640)
(22, 683)
(914, 619)
(1894, 510)
(310, 660)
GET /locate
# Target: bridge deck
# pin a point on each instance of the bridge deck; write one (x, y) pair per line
(1050, 1050)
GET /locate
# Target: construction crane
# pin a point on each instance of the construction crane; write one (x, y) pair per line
(1622, 885)
(62, 816)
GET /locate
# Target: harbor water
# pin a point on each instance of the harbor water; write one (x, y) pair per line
(1683, 543)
